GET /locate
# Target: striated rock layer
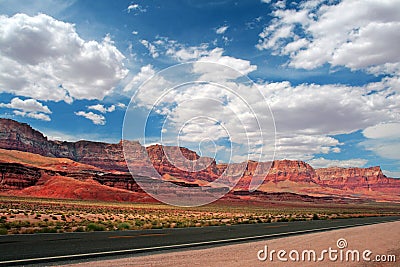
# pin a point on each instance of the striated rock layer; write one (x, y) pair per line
(177, 165)
(21, 136)
(371, 179)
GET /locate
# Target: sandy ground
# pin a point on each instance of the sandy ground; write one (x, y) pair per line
(382, 239)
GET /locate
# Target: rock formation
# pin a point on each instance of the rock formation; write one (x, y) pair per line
(105, 165)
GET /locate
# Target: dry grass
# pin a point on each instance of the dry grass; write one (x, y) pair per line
(32, 215)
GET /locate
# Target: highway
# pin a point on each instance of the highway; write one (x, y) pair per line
(42, 248)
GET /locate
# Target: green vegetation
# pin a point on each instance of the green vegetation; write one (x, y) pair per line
(95, 227)
(33, 215)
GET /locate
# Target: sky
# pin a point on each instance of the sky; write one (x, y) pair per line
(317, 81)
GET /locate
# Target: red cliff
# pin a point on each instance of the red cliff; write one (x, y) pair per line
(371, 179)
(182, 166)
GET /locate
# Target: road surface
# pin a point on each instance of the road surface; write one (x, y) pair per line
(40, 248)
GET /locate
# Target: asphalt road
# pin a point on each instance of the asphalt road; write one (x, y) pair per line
(40, 248)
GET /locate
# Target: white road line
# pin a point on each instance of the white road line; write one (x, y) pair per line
(185, 245)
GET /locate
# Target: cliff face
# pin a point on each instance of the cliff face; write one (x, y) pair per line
(370, 178)
(102, 155)
(182, 163)
(20, 136)
(292, 170)
(17, 176)
(179, 165)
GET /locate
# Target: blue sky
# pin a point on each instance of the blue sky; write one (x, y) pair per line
(330, 76)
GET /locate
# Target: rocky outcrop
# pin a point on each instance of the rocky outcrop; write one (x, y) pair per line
(178, 165)
(182, 163)
(17, 176)
(277, 171)
(371, 179)
(20, 136)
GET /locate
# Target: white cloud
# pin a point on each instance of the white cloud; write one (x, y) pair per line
(393, 174)
(221, 30)
(95, 118)
(324, 163)
(30, 108)
(183, 53)
(383, 139)
(121, 105)
(33, 115)
(202, 52)
(383, 130)
(44, 58)
(135, 32)
(303, 147)
(133, 7)
(389, 149)
(145, 73)
(335, 33)
(198, 112)
(102, 108)
(152, 49)
(266, 1)
(136, 7)
(216, 56)
(306, 115)
(329, 109)
(29, 105)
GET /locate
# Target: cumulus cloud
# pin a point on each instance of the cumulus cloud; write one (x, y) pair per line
(202, 52)
(145, 73)
(306, 115)
(216, 56)
(183, 53)
(151, 47)
(195, 112)
(95, 118)
(29, 105)
(383, 139)
(121, 105)
(324, 163)
(101, 108)
(303, 147)
(383, 130)
(33, 115)
(329, 109)
(318, 32)
(30, 108)
(394, 174)
(221, 30)
(46, 59)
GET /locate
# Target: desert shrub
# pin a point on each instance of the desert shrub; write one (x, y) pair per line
(80, 229)
(3, 231)
(48, 230)
(95, 227)
(315, 216)
(124, 226)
